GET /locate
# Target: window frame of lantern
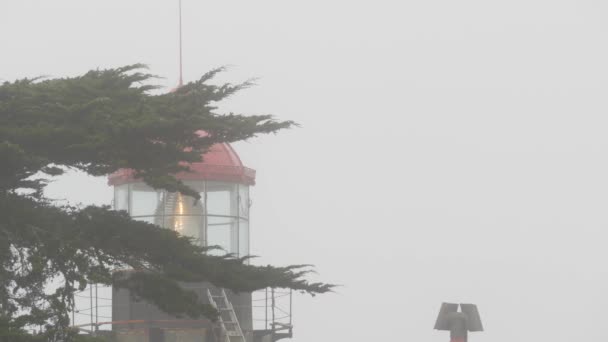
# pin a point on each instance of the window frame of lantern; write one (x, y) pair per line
(236, 211)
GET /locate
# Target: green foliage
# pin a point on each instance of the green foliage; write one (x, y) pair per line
(98, 123)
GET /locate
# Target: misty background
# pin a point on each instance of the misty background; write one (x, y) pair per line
(449, 150)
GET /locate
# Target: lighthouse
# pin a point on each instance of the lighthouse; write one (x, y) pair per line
(219, 218)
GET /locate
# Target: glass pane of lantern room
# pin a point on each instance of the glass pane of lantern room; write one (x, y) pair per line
(183, 214)
(121, 197)
(189, 226)
(221, 232)
(243, 238)
(221, 198)
(243, 201)
(145, 200)
(198, 186)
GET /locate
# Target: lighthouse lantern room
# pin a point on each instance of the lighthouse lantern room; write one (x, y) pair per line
(219, 218)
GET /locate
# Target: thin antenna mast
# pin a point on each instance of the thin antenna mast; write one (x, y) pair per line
(181, 79)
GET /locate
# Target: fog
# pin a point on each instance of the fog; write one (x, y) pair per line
(448, 150)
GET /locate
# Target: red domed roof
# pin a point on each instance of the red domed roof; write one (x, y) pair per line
(220, 163)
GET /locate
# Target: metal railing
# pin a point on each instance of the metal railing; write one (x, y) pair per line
(271, 309)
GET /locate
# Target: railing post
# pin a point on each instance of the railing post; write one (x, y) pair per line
(96, 309)
(91, 305)
(273, 305)
(266, 310)
(73, 308)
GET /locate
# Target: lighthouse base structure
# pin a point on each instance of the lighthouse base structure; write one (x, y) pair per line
(244, 317)
(138, 321)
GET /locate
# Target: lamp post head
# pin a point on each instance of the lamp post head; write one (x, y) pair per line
(458, 323)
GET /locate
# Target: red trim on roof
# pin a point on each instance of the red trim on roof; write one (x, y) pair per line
(220, 163)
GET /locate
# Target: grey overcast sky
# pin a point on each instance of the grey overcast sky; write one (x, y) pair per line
(449, 150)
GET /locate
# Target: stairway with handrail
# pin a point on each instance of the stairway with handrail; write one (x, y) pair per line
(227, 318)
